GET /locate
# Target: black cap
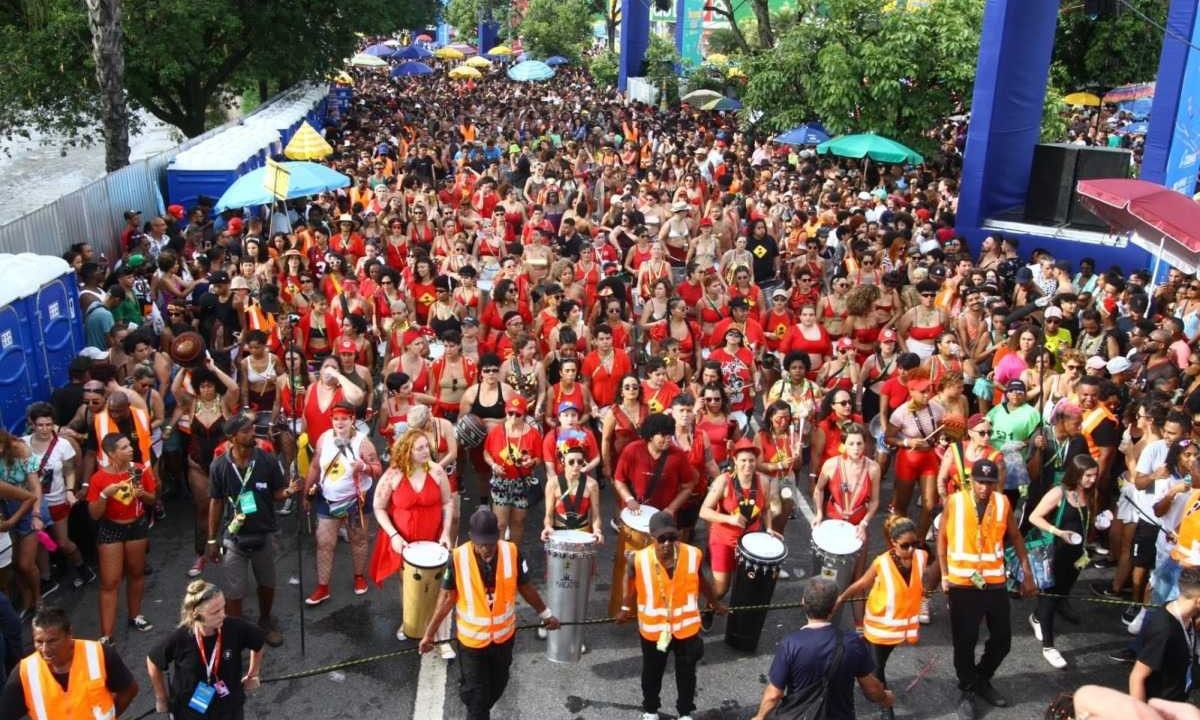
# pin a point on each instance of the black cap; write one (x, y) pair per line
(1015, 385)
(985, 471)
(484, 528)
(739, 302)
(217, 278)
(661, 523)
(237, 423)
(132, 213)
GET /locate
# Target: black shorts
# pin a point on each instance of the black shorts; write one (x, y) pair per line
(108, 532)
(1143, 550)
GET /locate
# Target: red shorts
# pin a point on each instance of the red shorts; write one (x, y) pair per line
(58, 513)
(721, 556)
(912, 465)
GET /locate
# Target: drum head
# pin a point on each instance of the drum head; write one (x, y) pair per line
(571, 537)
(640, 521)
(425, 554)
(836, 537)
(762, 546)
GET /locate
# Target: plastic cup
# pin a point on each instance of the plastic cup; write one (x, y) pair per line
(1073, 538)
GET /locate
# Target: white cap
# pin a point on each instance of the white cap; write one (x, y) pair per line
(864, 195)
(1118, 364)
(1096, 362)
(93, 353)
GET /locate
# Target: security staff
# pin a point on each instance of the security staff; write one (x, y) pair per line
(975, 527)
(665, 580)
(65, 678)
(481, 585)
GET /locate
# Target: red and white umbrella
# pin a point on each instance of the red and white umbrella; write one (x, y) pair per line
(1165, 223)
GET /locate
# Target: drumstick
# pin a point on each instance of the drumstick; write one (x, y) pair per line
(936, 430)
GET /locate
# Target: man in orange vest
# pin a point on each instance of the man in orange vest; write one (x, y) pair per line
(975, 527)
(120, 416)
(481, 585)
(665, 582)
(65, 678)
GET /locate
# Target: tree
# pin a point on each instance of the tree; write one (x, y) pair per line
(860, 68)
(182, 58)
(1103, 52)
(556, 27)
(104, 20)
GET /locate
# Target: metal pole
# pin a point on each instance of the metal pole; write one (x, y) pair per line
(303, 500)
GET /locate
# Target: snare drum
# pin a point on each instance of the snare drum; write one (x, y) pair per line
(470, 431)
(836, 548)
(759, 557)
(570, 565)
(423, 566)
(634, 535)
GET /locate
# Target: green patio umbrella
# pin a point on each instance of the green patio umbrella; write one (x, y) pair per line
(869, 145)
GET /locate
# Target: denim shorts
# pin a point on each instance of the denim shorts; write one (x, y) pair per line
(24, 526)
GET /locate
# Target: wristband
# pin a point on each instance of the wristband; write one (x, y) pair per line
(545, 614)
(393, 534)
(211, 542)
(626, 608)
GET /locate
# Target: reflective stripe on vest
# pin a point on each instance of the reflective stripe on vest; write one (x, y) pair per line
(105, 425)
(681, 614)
(86, 697)
(1189, 532)
(1091, 421)
(478, 624)
(894, 604)
(963, 556)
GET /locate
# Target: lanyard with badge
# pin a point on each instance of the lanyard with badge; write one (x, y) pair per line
(211, 685)
(665, 599)
(245, 504)
(976, 577)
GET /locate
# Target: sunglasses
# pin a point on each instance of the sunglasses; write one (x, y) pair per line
(928, 294)
(490, 370)
(986, 432)
(575, 462)
(840, 402)
(667, 538)
(514, 414)
(906, 545)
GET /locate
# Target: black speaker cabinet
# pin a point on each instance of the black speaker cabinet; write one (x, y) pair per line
(1051, 182)
(1095, 163)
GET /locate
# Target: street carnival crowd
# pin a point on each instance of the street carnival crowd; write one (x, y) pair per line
(532, 296)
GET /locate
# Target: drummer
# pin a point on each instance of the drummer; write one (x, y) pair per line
(413, 502)
(847, 489)
(738, 502)
(895, 579)
(652, 471)
(568, 432)
(913, 428)
(573, 498)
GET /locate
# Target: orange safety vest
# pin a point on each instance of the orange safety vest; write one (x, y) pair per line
(971, 548)
(86, 696)
(668, 602)
(481, 623)
(894, 603)
(1188, 532)
(105, 424)
(1090, 422)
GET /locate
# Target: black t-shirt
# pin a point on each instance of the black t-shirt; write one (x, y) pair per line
(266, 477)
(1164, 649)
(804, 657)
(212, 309)
(487, 572)
(179, 650)
(66, 401)
(764, 251)
(12, 704)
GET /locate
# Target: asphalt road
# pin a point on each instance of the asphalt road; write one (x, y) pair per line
(605, 684)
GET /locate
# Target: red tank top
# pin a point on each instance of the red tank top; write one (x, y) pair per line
(719, 432)
(736, 499)
(316, 419)
(417, 515)
(843, 502)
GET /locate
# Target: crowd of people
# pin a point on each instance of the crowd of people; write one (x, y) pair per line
(541, 292)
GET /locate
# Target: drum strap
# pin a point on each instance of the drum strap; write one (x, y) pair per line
(658, 471)
(572, 505)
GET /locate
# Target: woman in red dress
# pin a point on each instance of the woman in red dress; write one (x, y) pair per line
(412, 503)
(809, 337)
(420, 230)
(738, 502)
(421, 290)
(712, 416)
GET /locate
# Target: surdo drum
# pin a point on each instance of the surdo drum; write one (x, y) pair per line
(759, 556)
(424, 563)
(570, 566)
(836, 547)
(635, 535)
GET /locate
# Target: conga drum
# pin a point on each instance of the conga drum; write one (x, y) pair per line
(759, 556)
(635, 535)
(470, 431)
(570, 565)
(836, 547)
(424, 563)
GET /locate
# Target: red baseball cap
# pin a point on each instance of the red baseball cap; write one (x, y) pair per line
(347, 346)
(887, 335)
(235, 226)
(516, 404)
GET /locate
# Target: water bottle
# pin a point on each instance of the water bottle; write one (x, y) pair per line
(46, 541)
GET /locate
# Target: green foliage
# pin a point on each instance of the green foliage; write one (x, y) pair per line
(659, 66)
(1054, 119)
(722, 40)
(182, 57)
(705, 78)
(859, 68)
(1101, 53)
(557, 27)
(463, 16)
(605, 68)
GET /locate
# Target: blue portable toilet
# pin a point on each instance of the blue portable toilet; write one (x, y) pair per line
(57, 322)
(20, 383)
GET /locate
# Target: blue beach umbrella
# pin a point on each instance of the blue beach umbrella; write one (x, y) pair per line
(413, 52)
(380, 50)
(411, 68)
(304, 179)
(530, 70)
(807, 134)
(556, 60)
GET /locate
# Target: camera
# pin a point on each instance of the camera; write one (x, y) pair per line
(293, 319)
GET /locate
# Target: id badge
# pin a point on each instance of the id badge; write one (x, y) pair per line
(246, 503)
(202, 697)
(221, 688)
(977, 580)
(1083, 561)
(664, 640)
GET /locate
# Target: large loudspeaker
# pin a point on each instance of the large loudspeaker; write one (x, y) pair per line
(1096, 163)
(1051, 182)
(1057, 167)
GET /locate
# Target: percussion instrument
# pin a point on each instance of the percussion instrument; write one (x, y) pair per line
(423, 566)
(187, 350)
(436, 350)
(759, 556)
(634, 535)
(570, 565)
(470, 431)
(836, 548)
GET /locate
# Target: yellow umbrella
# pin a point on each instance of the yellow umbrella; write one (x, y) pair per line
(1082, 98)
(717, 59)
(370, 61)
(448, 53)
(465, 71)
(481, 63)
(500, 50)
(307, 144)
(343, 78)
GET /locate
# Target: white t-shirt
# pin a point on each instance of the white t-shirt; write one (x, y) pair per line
(61, 453)
(1152, 457)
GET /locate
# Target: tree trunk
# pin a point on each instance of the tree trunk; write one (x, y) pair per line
(104, 21)
(762, 14)
(264, 93)
(728, 13)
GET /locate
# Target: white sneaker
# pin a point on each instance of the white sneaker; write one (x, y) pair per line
(583, 648)
(447, 651)
(923, 616)
(649, 716)
(1135, 627)
(400, 634)
(542, 634)
(685, 717)
(1054, 657)
(1037, 628)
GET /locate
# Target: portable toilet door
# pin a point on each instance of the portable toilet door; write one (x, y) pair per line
(59, 329)
(19, 384)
